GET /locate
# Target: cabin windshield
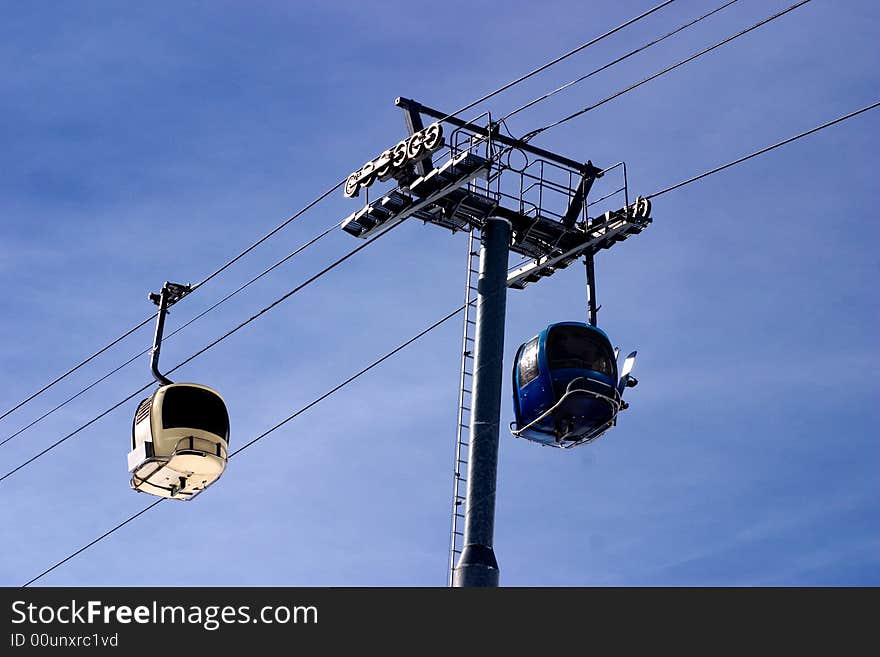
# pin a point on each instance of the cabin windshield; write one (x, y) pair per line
(195, 408)
(528, 362)
(576, 347)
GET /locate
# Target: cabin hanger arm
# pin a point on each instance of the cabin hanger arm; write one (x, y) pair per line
(170, 294)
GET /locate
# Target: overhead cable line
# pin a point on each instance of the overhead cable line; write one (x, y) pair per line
(277, 426)
(553, 62)
(666, 70)
(149, 319)
(91, 543)
(230, 262)
(253, 280)
(76, 367)
(616, 61)
(535, 71)
(210, 345)
(654, 195)
(330, 191)
(764, 150)
(291, 417)
(272, 232)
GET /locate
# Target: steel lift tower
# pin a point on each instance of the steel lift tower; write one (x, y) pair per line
(507, 195)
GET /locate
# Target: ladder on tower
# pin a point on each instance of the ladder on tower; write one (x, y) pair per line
(465, 395)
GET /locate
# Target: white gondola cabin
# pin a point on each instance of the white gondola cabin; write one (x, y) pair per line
(179, 440)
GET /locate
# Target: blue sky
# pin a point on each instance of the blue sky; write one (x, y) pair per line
(144, 143)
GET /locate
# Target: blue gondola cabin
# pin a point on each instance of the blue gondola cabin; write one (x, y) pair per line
(566, 389)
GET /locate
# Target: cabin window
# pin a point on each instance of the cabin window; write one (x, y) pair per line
(195, 408)
(528, 363)
(574, 347)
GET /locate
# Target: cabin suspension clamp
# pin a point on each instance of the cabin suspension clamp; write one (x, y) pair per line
(173, 293)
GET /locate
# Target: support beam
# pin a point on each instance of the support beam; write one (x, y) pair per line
(578, 201)
(591, 289)
(413, 125)
(586, 168)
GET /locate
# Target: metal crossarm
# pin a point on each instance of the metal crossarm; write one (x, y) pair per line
(434, 187)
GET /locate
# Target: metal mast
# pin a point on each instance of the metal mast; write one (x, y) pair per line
(477, 565)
